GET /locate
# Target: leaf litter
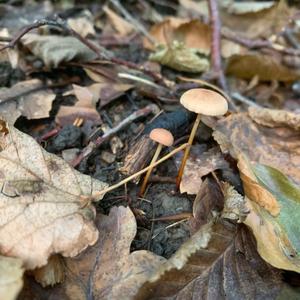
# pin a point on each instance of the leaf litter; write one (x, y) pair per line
(243, 168)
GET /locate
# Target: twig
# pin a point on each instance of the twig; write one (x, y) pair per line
(101, 52)
(258, 43)
(138, 26)
(98, 194)
(107, 135)
(244, 100)
(216, 44)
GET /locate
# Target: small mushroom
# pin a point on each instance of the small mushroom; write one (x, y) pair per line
(203, 102)
(164, 138)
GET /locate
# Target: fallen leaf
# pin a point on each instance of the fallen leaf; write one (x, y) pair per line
(26, 98)
(255, 19)
(178, 57)
(107, 270)
(198, 165)
(266, 67)
(11, 277)
(208, 201)
(193, 34)
(120, 25)
(277, 146)
(41, 203)
(82, 25)
(234, 204)
(254, 191)
(84, 109)
(247, 6)
(228, 268)
(277, 237)
(55, 49)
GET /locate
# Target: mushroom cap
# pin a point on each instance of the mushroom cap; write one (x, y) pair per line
(162, 136)
(205, 102)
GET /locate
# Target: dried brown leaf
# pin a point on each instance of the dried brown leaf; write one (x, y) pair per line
(277, 146)
(11, 281)
(266, 67)
(41, 203)
(198, 165)
(229, 268)
(107, 270)
(192, 34)
(26, 98)
(254, 20)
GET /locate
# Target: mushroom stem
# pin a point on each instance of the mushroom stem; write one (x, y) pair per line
(187, 150)
(155, 156)
(98, 194)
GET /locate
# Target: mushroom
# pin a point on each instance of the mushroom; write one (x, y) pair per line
(164, 138)
(203, 102)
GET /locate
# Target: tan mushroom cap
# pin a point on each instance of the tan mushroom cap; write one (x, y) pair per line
(205, 102)
(162, 136)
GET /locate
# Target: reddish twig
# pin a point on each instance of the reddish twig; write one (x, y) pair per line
(258, 43)
(216, 44)
(102, 53)
(152, 108)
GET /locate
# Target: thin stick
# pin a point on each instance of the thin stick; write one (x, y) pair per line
(109, 189)
(216, 43)
(187, 150)
(151, 108)
(155, 156)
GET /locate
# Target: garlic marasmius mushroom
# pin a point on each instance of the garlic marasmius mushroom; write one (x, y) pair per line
(203, 102)
(164, 138)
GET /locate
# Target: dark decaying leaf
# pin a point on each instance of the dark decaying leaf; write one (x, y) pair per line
(230, 270)
(208, 199)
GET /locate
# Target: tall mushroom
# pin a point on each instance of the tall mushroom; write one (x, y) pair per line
(203, 102)
(164, 138)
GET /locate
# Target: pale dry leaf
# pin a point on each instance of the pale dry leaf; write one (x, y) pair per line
(195, 7)
(107, 270)
(266, 67)
(11, 277)
(198, 165)
(41, 203)
(82, 25)
(277, 146)
(55, 49)
(246, 6)
(120, 25)
(26, 98)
